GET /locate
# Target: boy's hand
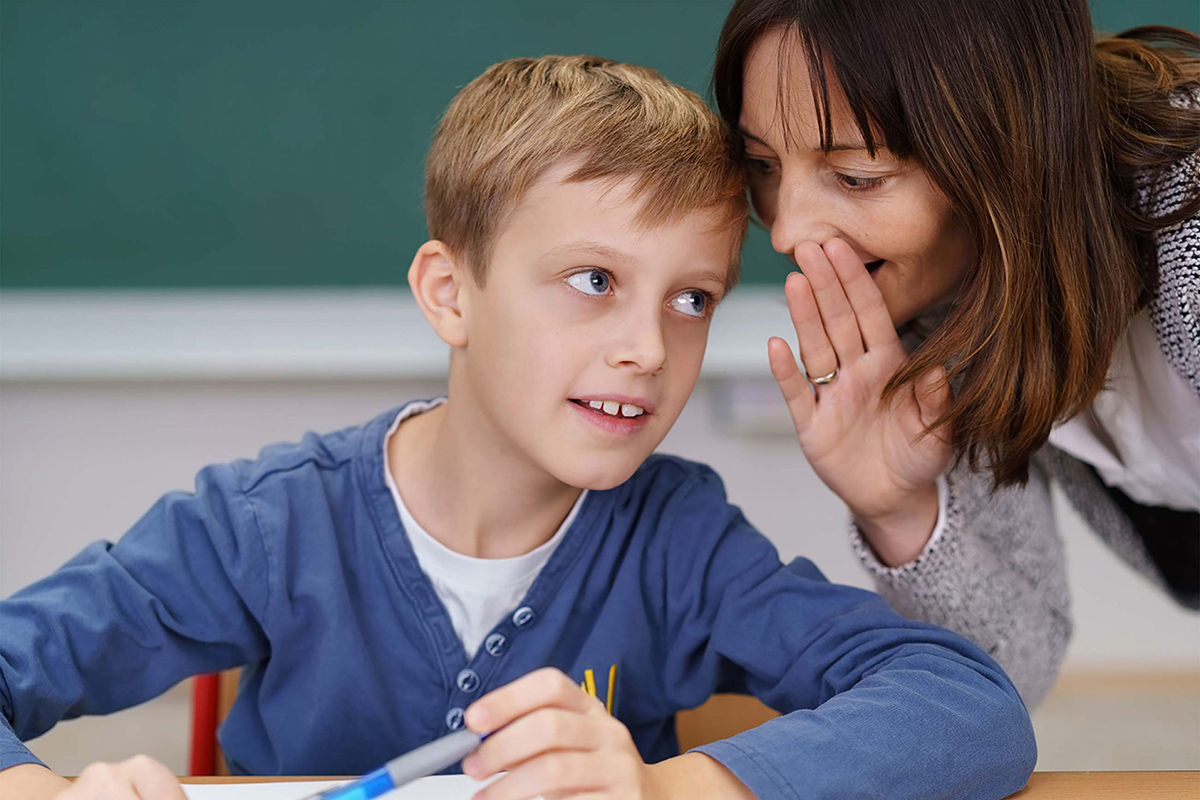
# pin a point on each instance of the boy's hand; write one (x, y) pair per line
(557, 742)
(139, 778)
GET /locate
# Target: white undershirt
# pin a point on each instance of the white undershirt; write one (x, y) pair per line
(477, 592)
(1142, 432)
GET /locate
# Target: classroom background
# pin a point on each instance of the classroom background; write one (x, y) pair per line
(207, 210)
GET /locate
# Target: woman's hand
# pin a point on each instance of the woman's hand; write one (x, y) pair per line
(871, 454)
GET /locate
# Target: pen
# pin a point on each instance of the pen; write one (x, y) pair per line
(428, 759)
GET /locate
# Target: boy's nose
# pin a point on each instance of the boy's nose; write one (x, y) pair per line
(799, 217)
(639, 344)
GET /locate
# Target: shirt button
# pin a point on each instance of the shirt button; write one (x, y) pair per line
(523, 616)
(454, 719)
(496, 644)
(468, 681)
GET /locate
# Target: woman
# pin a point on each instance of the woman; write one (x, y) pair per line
(996, 222)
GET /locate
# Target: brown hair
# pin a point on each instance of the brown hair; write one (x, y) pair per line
(525, 115)
(1040, 138)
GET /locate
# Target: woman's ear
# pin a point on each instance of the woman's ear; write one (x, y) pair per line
(436, 280)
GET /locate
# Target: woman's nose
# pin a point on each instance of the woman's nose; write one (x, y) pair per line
(800, 216)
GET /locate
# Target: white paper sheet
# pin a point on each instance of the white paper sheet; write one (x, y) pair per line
(438, 787)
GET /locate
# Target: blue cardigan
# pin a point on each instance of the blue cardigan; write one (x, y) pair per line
(296, 567)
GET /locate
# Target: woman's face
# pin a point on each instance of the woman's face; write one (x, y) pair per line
(889, 211)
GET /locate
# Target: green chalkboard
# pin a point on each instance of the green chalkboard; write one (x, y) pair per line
(186, 143)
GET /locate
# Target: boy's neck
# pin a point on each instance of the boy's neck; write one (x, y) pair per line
(469, 489)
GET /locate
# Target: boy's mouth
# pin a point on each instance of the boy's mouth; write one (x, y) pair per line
(614, 414)
(612, 408)
(872, 266)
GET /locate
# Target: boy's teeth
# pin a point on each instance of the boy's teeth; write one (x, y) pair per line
(614, 408)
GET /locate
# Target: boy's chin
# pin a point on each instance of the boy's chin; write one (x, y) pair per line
(598, 477)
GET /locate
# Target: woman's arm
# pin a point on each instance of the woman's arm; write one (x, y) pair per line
(993, 568)
(994, 571)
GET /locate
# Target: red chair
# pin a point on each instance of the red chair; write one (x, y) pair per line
(212, 695)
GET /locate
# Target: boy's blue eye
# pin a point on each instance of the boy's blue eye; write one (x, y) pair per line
(693, 302)
(590, 281)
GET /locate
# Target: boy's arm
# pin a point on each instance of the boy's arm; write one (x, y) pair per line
(178, 595)
(875, 705)
(31, 782)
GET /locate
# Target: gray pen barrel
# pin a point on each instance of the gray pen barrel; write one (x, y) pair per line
(434, 757)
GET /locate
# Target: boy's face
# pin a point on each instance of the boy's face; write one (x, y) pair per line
(584, 308)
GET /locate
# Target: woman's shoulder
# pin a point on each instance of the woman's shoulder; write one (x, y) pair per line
(1175, 306)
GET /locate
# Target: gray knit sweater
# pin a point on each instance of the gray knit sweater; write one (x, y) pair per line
(997, 574)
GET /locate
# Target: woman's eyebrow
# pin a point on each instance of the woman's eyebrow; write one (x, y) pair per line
(747, 134)
(834, 147)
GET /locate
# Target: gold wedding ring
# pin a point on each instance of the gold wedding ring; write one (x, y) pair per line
(824, 379)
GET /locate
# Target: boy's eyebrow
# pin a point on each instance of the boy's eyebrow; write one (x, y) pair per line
(707, 275)
(593, 248)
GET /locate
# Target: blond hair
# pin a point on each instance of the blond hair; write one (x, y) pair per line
(619, 121)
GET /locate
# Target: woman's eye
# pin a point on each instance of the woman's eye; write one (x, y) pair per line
(590, 281)
(760, 165)
(693, 302)
(858, 184)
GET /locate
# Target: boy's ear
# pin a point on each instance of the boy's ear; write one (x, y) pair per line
(437, 281)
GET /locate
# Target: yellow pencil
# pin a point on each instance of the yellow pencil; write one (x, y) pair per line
(612, 688)
(589, 680)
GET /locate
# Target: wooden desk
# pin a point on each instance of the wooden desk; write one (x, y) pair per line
(1042, 786)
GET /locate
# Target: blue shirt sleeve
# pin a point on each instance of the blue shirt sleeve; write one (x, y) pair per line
(181, 593)
(874, 705)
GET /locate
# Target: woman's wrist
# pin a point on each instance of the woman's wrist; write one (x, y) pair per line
(901, 534)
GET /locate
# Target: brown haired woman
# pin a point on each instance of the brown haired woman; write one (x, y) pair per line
(996, 222)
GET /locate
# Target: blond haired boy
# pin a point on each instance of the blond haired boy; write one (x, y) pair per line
(464, 561)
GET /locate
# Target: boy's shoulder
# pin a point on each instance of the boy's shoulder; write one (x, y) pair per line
(677, 473)
(679, 493)
(327, 451)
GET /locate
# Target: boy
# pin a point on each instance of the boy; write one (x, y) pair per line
(480, 553)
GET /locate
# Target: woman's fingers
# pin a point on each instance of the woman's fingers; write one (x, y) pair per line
(933, 396)
(874, 321)
(816, 351)
(841, 324)
(796, 391)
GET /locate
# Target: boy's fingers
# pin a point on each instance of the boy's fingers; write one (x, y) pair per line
(100, 780)
(797, 392)
(874, 321)
(840, 321)
(152, 780)
(539, 689)
(541, 731)
(549, 774)
(816, 351)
